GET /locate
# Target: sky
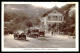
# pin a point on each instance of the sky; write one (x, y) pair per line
(48, 4)
(30, 7)
(36, 4)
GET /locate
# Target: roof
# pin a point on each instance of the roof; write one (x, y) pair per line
(54, 8)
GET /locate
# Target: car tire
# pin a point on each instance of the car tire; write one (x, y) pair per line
(37, 36)
(25, 38)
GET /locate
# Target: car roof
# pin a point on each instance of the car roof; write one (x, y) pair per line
(34, 27)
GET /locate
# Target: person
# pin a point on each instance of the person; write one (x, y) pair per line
(29, 32)
(52, 32)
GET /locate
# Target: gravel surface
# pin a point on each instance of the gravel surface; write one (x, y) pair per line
(57, 41)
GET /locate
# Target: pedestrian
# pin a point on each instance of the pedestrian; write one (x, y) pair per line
(52, 32)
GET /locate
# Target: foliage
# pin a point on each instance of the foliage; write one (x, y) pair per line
(68, 20)
(20, 20)
(28, 23)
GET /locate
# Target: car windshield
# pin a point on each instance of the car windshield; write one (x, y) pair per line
(19, 31)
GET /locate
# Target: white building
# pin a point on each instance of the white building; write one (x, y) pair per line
(53, 17)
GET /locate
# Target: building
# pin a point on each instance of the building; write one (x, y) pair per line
(53, 18)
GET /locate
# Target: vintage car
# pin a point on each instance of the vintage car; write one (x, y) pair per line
(42, 33)
(33, 32)
(11, 32)
(19, 35)
(6, 32)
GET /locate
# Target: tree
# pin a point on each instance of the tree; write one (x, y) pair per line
(69, 20)
(9, 16)
(28, 24)
(66, 10)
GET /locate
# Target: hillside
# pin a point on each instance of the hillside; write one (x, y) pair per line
(22, 13)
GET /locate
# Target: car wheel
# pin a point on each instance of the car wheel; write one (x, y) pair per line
(37, 36)
(18, 37)
(25, 38)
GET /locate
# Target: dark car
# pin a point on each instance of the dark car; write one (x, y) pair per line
(42, 33)
(6, 32)
(20, 36)
(33, 33)
(11, 32)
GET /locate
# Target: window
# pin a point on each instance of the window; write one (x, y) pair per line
(55, 11)
(54, 18)
(60, 18)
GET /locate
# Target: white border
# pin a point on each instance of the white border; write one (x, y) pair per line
(39, 49)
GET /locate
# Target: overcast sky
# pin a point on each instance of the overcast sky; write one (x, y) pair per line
(32, 7)
(48, 4)
(36, 4)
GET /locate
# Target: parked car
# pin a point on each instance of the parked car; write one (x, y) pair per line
(6, 32)
(19, 35)
(34, 33)
(42, 33)
(11, 32)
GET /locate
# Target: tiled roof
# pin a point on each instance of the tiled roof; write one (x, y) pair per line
(54, 8)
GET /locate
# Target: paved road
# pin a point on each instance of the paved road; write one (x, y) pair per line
(41, 42)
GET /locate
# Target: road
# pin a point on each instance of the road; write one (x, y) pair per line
(57, 41)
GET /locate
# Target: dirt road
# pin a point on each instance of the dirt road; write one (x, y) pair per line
(41, 42)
